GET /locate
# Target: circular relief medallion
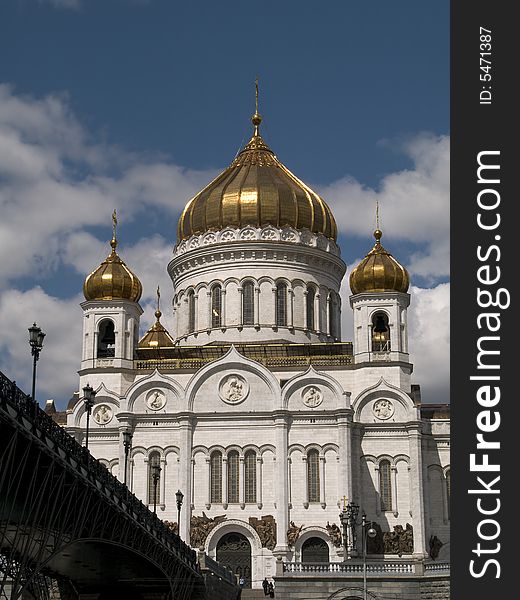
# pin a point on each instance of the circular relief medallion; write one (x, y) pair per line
(102, 414)
(311, 396)
(383, 409)
(155, 399)
(233, 389)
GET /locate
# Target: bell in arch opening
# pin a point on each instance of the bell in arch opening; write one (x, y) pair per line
(380, 333)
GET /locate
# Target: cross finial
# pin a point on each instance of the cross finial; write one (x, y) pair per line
(377, 214)
(256, 119)
(113, 243)
(345, 502)
(158, 311)
(256, 94)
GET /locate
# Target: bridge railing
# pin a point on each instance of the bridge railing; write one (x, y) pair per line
(35, 419)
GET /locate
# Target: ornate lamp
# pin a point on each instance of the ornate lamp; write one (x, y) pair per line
(156, 475)
(127, 443)
(36, 336)
(88, 399)
(179, 496)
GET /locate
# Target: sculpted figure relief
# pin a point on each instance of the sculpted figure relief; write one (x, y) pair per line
(399, 541)
(103, 414)
(334, 534)
(172, 526)
(201, 527)
(233, 389)
(435, 547)
(266, 529)
(293, 533)
(383, 409)
(156, 400)
(312, 397)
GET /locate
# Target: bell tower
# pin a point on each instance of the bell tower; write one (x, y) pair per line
(111, 314)
(380, 301)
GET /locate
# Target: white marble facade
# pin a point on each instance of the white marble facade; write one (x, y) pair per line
(350, 419)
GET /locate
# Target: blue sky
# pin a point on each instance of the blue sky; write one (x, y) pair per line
(136, 104)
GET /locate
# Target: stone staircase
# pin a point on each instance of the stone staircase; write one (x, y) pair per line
(253, 594)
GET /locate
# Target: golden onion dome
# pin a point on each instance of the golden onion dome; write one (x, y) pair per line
(112, 280)
(157, 336)
(379, 272)
(257, 190)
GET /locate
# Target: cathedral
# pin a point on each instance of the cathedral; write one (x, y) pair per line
(252, 410)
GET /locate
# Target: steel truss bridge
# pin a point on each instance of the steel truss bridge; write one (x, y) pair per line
(69, 528)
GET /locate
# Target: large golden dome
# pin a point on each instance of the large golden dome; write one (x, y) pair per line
(112, 280)
(379, 272)
(258, 190)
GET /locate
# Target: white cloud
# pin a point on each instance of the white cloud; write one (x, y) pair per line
(57, 181)
(413, 204)
(59, 362)
(429, 338)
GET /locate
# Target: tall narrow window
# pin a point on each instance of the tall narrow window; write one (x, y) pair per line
(216, 306)
(153, 460)
(311, 295)
(215, 475)
(106, 339)
(313, 476)
(248, 303)
(385, 485)
(233, 477)
(334, 316)
(448, 489)
(250, 476)
(380, 333)
(281, 305)
(191, 311)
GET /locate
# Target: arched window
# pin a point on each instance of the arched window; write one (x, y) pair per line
(281, 305)
(250, 476)
(153, 489)
(448, 489)
(215, 475)
(248, 303)
(334, 318)
(385, 485)
(311, 295)
(106, 343)
(313, 476)
(216, 306)
(233, 480)
(380, 333)
(191, 311)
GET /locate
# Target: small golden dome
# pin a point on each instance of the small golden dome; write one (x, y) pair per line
(112, 280)
(156, 337)
(258, 190)
(379, 272)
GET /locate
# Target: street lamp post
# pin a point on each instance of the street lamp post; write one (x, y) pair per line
(156, 475)
(348, 518)
(179, 497)
(127, 443)
(88, 399)
(368, 532)
(36, 336)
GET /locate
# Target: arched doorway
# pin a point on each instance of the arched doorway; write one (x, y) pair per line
(234, 551)
(315, 550)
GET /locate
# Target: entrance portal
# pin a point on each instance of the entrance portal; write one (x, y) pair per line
(315, 550)
(234, 551)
